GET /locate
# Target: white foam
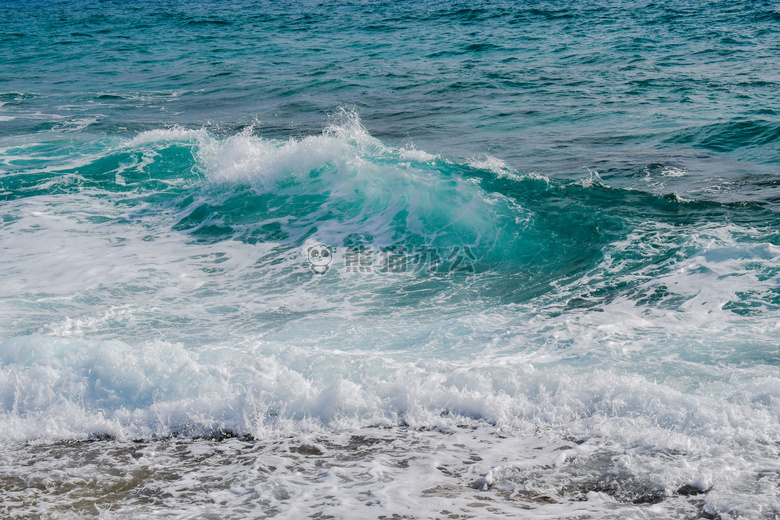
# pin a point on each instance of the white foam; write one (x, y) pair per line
(672, 171)
(246, 158)
(172, 134)
(78, 326)
(59, 388)
(75, 125)
(417, 155)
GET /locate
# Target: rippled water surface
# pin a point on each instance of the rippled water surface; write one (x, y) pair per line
(551, 282)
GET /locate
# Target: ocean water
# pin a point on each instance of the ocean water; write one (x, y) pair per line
(390, 259)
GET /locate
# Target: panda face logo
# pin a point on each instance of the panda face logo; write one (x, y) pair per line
(320, 257)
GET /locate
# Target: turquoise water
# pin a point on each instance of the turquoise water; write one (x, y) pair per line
(552, 287)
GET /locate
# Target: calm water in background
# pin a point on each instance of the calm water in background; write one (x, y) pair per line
(586, 194)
